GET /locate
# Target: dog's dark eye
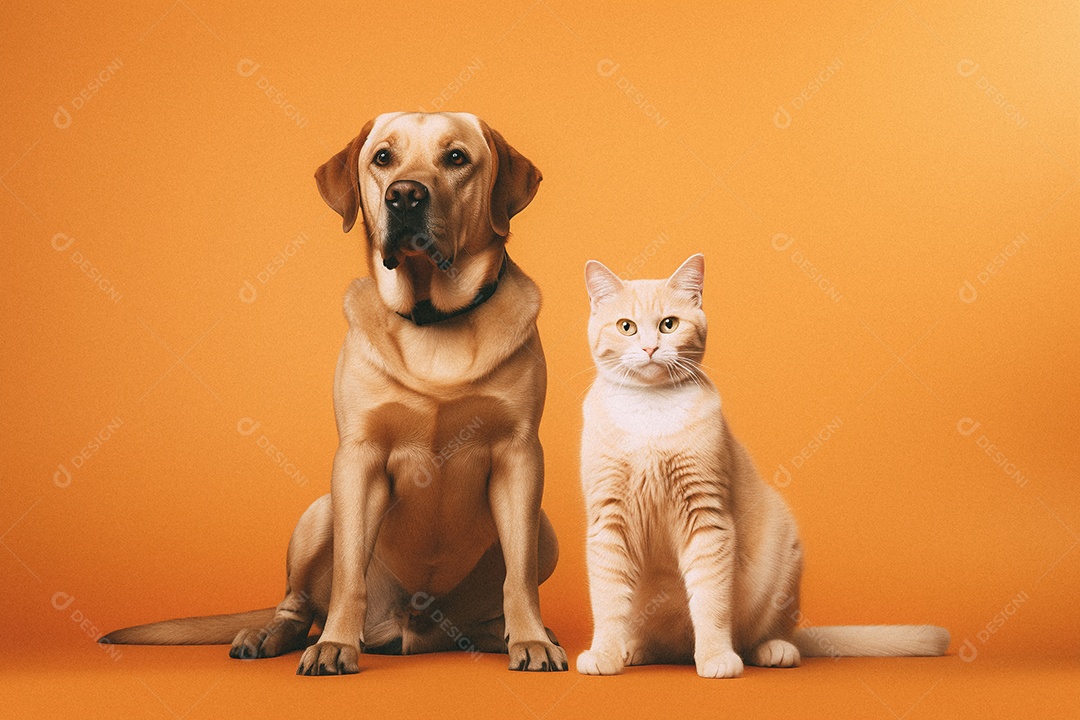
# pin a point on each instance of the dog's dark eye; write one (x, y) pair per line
(668, 324)
(457, 157)
(382, 157)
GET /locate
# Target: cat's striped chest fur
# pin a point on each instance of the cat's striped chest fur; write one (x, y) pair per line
(652, 447)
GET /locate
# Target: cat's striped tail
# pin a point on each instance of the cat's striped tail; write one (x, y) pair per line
(871, 641)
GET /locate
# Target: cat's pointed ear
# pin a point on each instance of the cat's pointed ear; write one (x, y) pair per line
(690, 277)
(601, 282)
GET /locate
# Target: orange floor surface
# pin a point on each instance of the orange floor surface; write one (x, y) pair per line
(202, 682)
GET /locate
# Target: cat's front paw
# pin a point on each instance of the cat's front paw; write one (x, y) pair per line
(724, 665)
(594, 662)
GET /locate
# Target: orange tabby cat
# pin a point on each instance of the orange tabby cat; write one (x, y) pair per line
(692, 557)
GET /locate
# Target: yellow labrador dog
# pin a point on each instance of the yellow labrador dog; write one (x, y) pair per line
(432, 537)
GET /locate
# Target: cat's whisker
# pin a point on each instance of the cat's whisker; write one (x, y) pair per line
(605, 363)
(687, 366)
(609, 364)
(671, 375)
(679, 373)
(699, 363)
(701, 367)
(690, 377)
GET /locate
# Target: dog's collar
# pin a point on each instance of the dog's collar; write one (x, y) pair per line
(424, 313)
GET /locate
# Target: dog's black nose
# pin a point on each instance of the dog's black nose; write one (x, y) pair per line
(406, 195)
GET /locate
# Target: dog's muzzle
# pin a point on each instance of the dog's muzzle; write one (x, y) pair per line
(407, 202)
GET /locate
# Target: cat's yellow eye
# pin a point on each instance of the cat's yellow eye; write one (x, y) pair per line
(668, 324)
(627, 327)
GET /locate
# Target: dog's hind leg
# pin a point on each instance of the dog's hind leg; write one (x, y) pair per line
(286, 632)
(307, 589)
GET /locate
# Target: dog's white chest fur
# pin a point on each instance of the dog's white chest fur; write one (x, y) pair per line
(655, 412)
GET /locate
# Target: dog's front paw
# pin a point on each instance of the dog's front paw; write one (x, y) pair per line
(723, 665)
(329, 658)
(594, 662)
(537, 655)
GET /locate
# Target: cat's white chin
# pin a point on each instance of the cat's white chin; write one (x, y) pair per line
(648, 374)
(656, 374)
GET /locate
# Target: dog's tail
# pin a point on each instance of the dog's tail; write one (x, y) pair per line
(872, 641)
(207, 630)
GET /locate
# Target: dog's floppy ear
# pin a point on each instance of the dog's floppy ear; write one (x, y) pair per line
(338, 182)
(514, 181)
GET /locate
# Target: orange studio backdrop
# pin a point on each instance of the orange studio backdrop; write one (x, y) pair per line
(887, 194)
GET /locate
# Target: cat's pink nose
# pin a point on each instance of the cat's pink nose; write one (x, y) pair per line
(649, 351)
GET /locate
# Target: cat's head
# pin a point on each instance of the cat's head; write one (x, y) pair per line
(647, 332)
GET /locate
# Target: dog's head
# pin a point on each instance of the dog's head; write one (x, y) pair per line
(434, 191)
